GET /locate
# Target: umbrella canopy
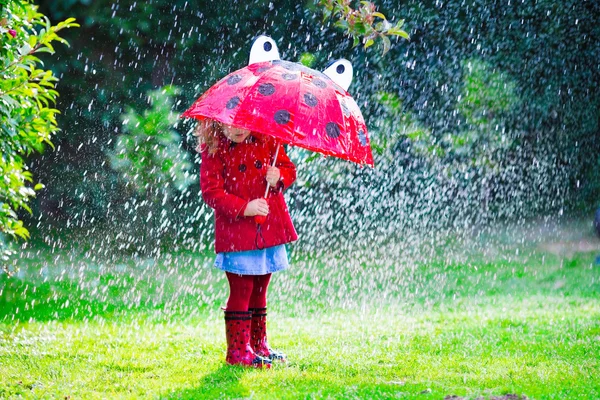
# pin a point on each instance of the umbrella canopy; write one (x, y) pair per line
(299, 105)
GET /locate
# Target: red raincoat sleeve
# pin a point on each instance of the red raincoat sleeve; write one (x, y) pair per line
(286, 168)
(213, 192)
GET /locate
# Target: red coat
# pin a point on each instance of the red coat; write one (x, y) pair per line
(232, 177)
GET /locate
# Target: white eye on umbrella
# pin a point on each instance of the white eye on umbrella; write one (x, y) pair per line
(263, 49)
(340, 72)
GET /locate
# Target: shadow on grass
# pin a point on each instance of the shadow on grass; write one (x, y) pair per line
(223, 383)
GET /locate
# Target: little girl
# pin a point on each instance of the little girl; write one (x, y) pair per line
(236, 167)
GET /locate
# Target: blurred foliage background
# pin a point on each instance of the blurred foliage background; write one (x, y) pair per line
(489, 113)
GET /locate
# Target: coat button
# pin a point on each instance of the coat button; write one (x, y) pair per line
(258, 164)
(242, 167)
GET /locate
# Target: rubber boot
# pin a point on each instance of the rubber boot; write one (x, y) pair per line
(237, 331)
(258, 341)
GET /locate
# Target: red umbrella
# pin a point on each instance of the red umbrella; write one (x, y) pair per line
(299, 105)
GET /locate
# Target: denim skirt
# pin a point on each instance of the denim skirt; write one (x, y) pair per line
(253, 262)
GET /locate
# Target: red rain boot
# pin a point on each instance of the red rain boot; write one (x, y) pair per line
(258, 340)
(237, 331)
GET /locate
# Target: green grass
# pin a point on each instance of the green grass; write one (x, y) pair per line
(518, 320)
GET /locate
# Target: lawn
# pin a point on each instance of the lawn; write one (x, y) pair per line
(483, 322)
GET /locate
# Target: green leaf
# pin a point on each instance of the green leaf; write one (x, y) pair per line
(360, 28)
(307, 59)
(342, 24)
(386, 44)
(28, 123)
(400, 33)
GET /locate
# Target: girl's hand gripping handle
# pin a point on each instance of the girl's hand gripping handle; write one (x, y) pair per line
(260, 219)
(257, 208)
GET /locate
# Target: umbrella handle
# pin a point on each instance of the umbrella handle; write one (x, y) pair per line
(260, 219)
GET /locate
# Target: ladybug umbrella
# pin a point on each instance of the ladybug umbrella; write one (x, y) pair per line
(293, 103)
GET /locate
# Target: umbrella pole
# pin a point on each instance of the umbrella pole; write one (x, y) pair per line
(274, 161)
(259, 219)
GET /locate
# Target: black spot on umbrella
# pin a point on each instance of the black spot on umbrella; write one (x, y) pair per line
(233, 79)
(310, 99)
(289, 77)
(292, 67)
(233, 102)
(332, 129)
(266, 89)
(340, 69)
(258, 164)
(267, 46)
(242, 167)
(263, 69)
(362, 137)
(282, 117)
(319, 83)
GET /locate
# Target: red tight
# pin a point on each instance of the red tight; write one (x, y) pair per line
(247, 291)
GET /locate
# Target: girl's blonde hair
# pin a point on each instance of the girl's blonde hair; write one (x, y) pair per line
(208, 132)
